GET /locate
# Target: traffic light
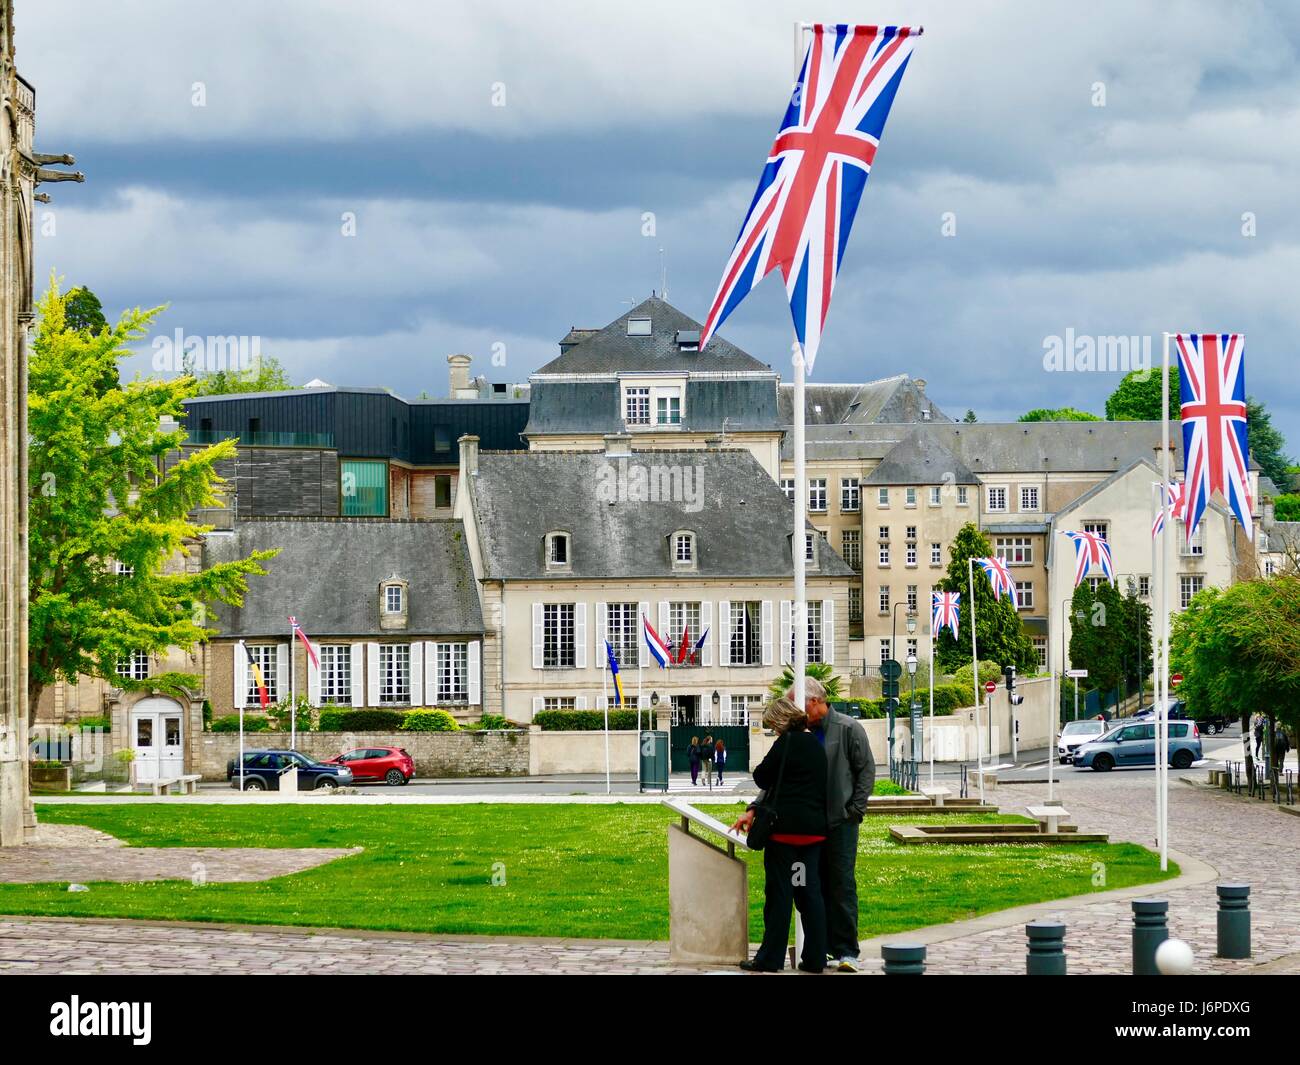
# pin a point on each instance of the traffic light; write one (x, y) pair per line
(1009, 672)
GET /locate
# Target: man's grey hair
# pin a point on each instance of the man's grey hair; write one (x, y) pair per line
(812, 689)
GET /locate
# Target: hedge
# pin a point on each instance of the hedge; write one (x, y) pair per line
(587, 720)
(947, 698)
(429, 721)
(95, 722)
(230, 723)
(371, 720)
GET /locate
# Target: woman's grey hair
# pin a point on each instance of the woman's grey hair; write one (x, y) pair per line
(781, 715)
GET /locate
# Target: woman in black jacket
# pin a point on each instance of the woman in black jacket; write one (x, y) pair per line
(793, 852)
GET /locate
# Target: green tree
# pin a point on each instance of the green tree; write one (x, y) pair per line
(101, 497)
(999, 635)
(265, 375)
(1287, 507)
(1099, 635)
(1267, 444)
(970, 418)
(83, 311)
(1137, 397)
(1059, 414)
(818, 671)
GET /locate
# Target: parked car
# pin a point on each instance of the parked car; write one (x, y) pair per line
(1074, 733)
(262, 771)
(392, 765)
(1177, 712)
(1134, 743)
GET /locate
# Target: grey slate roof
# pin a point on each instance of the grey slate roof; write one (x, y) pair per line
(1284, 533)
(328, 574)
(611, 350)
(741, 527)
(896, 399)
(920, 460)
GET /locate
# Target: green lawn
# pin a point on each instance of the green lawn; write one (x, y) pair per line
(569, 870)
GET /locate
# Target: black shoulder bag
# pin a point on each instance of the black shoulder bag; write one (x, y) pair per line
(765, 816)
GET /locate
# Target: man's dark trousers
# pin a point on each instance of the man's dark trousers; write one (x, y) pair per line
(840, 889)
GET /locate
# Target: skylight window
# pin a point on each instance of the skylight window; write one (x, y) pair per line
(638, 327)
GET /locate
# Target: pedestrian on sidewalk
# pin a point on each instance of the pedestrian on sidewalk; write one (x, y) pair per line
(719, 758)
(693, 754)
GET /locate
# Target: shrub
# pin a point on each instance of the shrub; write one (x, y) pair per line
(368, 720)
(949, 697)
(95, 722)
(281, 718)
(230, 723)
(988, 671)
(429, 721)
(493, 722)
(586, 720)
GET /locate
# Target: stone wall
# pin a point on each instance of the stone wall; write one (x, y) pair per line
(436, 754)
(582, 752)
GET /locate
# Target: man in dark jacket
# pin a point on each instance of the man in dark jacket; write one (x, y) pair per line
(851, 774)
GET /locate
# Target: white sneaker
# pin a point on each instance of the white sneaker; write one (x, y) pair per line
(847, 964)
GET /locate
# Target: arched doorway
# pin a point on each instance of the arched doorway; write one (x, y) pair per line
(158, 738)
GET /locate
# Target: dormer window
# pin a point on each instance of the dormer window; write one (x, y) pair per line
(683, 543)
(393, 599)
(557, 550)
(638, 327)
(394, 603)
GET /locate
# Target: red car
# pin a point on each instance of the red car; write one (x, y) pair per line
(392, 765)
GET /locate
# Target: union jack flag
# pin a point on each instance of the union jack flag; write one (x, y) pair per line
(944, 610)
(1091, 551)
(999, 576)
(808, 193)
(1212, 387)
(1174, 494)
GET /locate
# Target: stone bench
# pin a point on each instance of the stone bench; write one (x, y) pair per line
(1048, 817)
(188, 784)
(937, 795)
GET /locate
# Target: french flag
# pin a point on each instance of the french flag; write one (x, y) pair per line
(655, 642)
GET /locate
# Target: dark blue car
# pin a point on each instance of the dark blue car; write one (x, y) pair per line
(262, 771)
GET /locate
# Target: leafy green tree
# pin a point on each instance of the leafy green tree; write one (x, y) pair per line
(1099, 634)
(818, 671)
(266, 375)
(101, 498)
(1267, 444)
(83, 311)
(970, 418)
(1059, 414)
(1137, 397)
(1136, 636)
(1287, 507)
(999, 635)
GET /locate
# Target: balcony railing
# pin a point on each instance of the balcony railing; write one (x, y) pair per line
(212, 436)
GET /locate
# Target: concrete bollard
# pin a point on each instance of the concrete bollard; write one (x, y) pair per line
(1046, 955)
(903, 959)
(1150, 929)
(1234, 920)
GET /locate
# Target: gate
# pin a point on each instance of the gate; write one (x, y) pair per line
(735, 737)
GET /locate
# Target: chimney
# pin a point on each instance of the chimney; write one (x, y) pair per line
(468, 455)
(618, 445)
(459, 374)
(920, 383)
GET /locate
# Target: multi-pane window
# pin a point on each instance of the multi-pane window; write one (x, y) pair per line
(1015, 550)
(883, 532)
(911, 553)
(886, 651)
(851, 547)
(910, 494)
(884, 599)
(855, 603)
(622, 633)
(394, 672)
(557, 635)
(363, 486)
(1269, 567)
(1197, 546)
(393, 599)
(335, 673)
(740, 708)
(936, 495)
(997, 498)
(882, 497)
(263, 655)
(814, 609)
(936, 554)
(1144, 585)
(911, 532)
(683, 548)
(1040, 649)
(912, 644)
(1098, 527)
(453, 672)
(684, 621)
(884, 553)
(1024, 594)
(1029, 497)
(1095, 582)
(1188, 585)
(746, 633)
(911, 597)
(808, 546)
(636, 406)
(787, 486)
(557, 551)
(849, 495)
(817, 493)
(136, 666)
(123, 570)
(668, 410)
(963, 495)
(559, 702)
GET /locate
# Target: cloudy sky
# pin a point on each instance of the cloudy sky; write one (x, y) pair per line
(1105, 164)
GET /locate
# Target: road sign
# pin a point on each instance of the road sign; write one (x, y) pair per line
(1176, 679)
(889, 688)
(1076, 674)
(991, 686)
(891, 669)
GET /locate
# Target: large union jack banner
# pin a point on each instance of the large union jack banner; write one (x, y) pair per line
(999, 576)
(1174, 495)
(1091, 551)
(945, 608)
(1212, 387)
(808, 193)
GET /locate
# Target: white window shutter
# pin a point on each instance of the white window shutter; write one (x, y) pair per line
(828, 631)
(358, 674)
(602, 702)
(579, 635)
(602, 634)
(787, 634)
(724, 633)
(766, 626)
(313, 682)
(538, 636)
(240, 681)
(417, 675)
(643, 611)
(431, 671)
(580, 702)
(663, 621)
(475, 656)
(706, 623)
(281, 671)
(539, 704)
(372, 674)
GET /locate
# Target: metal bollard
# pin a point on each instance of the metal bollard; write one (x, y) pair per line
(903, 959)
(1046, 955)
(1234, 920)
(1150, 929)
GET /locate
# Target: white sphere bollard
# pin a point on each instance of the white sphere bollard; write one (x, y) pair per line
(1174, 958)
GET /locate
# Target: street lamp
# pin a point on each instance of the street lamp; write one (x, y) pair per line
(911, 628)
(913, 707)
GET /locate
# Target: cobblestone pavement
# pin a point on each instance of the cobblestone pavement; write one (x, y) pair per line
(1241, 839)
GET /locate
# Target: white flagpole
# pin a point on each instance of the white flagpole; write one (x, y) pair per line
(933, 637)
(1155, 635)
(1162, 711)
(241, 651)
(604, 683)
(293, 706)
(975, 670)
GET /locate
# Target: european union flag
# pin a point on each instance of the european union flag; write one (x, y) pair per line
(613, 670)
